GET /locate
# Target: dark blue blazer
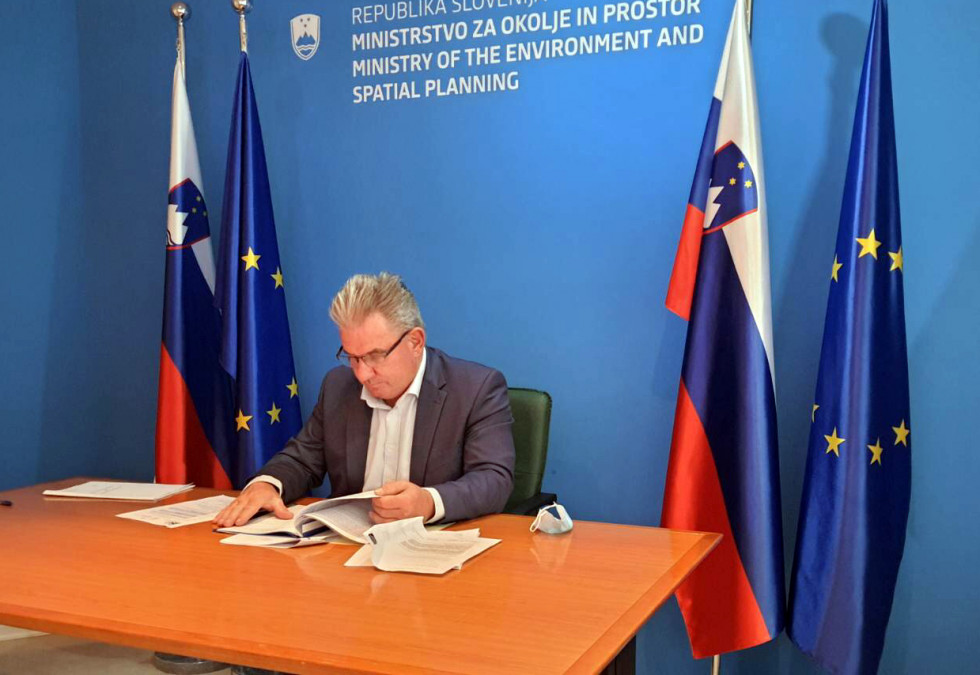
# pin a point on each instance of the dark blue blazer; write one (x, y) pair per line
(462, 445)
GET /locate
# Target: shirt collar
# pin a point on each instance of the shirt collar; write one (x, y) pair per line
(413, 388)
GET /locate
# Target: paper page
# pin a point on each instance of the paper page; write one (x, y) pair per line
(270, 524)
(405, 546)
(273, 541)
(184, 513)
(150, 492)
(427, 556)
(362, 556)
(349, 519)
(336, 501)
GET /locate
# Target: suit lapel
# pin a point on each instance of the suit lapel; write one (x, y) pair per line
(431, 398)
(358, 433)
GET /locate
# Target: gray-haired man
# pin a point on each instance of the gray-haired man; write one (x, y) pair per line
(430, 433)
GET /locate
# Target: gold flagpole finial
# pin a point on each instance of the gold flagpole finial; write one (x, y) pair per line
(242, 7)
(181, 11)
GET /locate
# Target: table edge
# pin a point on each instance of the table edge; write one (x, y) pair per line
(609, 644)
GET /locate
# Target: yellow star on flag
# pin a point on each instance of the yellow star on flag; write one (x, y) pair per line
(278, 277)
(251, 260)
(748, 183)
(897, 262)
(242, 421)
(293, 389)
(273, 414)
(732, 181)
(876, 451)
(902, 434)
(833, 443)
(836, 269)
(813, 415)
(869, 245)
(741, 165)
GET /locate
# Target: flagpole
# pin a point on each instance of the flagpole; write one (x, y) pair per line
(165, 661)
(181, 11)
(242, 7)
(749, 6)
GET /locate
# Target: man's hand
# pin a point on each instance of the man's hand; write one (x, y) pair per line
(256, 496)
(401, 499)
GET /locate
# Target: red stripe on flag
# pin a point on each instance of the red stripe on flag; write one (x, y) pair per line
(680, 292)
(184, 454)
(719, 606)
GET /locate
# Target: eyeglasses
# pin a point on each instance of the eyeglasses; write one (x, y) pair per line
(371, 359)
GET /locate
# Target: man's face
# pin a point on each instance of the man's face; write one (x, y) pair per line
(389, 379)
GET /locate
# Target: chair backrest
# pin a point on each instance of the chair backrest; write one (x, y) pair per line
(532, 418)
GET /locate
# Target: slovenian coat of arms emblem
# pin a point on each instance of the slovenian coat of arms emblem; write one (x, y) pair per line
(305, 32)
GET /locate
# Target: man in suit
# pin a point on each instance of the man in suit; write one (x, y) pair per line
(431, 434)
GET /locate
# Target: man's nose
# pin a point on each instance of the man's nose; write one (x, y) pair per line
(362, 371)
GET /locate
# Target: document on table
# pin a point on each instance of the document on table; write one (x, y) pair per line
(147, 492)
(347, 515)
(184, 513)
(406, 546)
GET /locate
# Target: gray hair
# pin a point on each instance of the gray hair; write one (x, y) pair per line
(386, 294)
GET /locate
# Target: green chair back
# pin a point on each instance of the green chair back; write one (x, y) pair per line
(532, 418)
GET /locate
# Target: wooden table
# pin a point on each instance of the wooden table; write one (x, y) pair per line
(532, 604)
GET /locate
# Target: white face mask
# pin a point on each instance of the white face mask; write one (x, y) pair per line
(552, 519)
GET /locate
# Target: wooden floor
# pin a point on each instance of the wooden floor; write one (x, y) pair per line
(58, 655)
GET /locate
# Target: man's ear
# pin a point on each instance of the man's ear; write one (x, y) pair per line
(417, 338)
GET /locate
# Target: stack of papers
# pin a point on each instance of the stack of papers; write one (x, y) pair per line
(147, 492)
(406, 546)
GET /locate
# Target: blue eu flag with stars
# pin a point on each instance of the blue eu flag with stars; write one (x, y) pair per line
(256, 349)
(856, 490)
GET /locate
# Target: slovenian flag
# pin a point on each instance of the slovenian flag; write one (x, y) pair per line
(256, 350)
(723, 474)
(194, 418)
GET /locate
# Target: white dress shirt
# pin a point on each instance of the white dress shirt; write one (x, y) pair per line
(389, 451)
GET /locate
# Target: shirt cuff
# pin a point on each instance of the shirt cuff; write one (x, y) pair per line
(274, 482)
(436, 501)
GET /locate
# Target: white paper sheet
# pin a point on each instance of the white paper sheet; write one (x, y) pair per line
(148, 492)
(405, 546)
(351, 519)
(184, 513)
(362, 556)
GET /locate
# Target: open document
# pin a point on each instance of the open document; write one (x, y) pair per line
(406, 546)
(149, 492)
(343, 516)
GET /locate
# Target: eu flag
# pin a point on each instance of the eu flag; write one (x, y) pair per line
(256, 349)
(856, 490)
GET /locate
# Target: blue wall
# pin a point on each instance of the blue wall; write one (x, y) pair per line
(41, 190)
(536, 227)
